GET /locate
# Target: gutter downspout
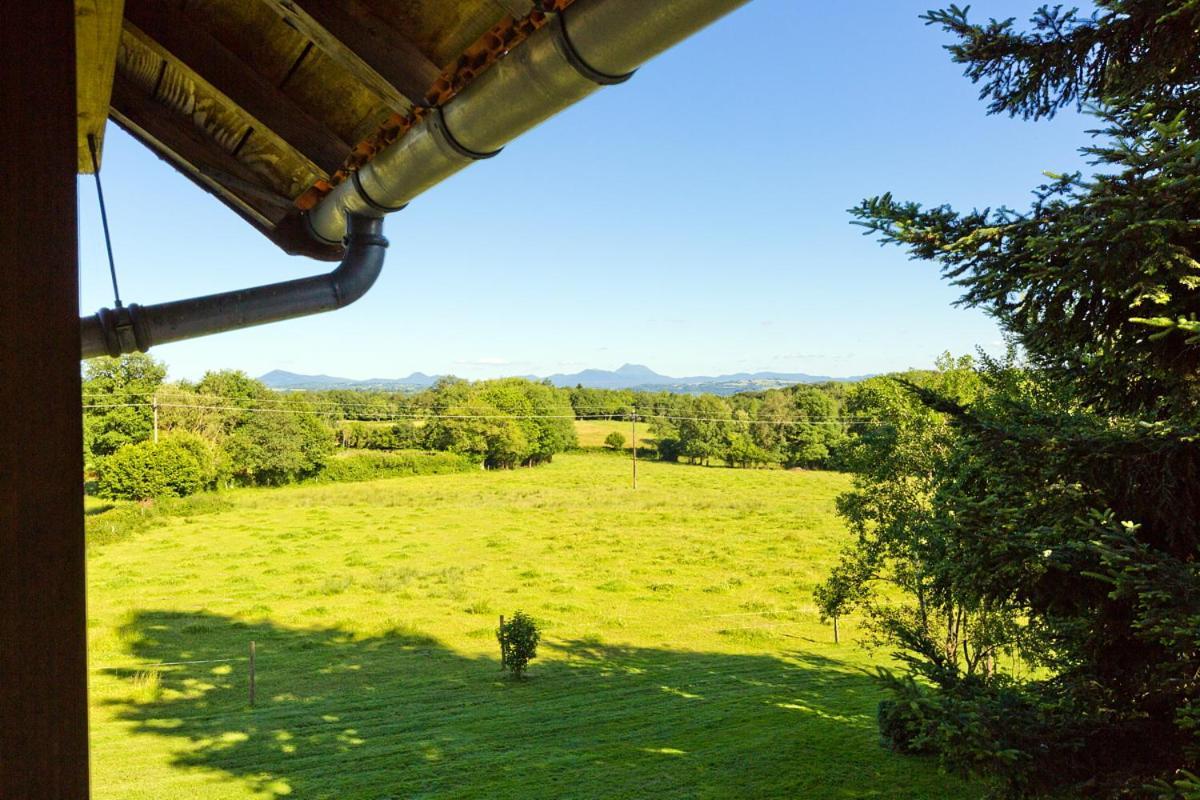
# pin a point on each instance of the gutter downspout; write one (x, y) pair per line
(132, 328)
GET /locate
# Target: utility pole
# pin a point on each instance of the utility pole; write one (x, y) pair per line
(154, 405)
(633, 434)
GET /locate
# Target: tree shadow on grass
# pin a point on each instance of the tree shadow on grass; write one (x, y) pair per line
(402, 715)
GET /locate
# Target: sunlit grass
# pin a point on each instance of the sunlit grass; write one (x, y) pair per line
(591, 432)
(682, 655)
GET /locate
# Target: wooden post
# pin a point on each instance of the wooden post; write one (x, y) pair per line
(251, 673)
(633, 433)
(154, 405)
(835, 629)
(43, 644)
(501, 638)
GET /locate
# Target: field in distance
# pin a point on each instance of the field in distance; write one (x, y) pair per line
(681, 658)
(591, 432)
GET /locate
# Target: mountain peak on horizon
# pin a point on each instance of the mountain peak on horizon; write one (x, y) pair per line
(636, 369)
(627, 376)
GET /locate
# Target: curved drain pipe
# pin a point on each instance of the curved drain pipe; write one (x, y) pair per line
(592, 43)
(132, 328)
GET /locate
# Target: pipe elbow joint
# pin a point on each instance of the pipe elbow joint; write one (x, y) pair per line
(366, 247)
(136, 328)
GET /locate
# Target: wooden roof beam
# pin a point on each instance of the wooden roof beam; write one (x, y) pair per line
(171, 33)
(97, 33)
(176, 139)
(351, 34)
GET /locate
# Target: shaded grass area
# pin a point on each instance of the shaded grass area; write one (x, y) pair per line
(107, 522)
(682, 656)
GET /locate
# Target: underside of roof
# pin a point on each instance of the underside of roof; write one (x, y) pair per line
(269, 104)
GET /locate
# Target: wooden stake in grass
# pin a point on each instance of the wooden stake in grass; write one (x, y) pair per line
(835, 629)
(252, 673)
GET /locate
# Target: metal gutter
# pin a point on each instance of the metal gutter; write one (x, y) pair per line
(127, 329)
(592, 43)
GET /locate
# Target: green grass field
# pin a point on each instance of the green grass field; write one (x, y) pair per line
(591, 432)
(681, 655)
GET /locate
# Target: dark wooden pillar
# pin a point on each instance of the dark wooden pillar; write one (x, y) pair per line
(43, 667)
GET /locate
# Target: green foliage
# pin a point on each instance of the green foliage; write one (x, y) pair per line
(275, 448)
(1050, 512)
(503, 423)
(115, 391)
(1126, 49)
(369, 466)
(797, 427)
(615, 440)
(142, 471)
(518, 637)
(814, 434)
(366, 436)
(742, 451)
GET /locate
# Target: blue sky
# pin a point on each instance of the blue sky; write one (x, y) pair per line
(693, 219)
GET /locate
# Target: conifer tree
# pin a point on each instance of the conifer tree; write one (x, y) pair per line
(1070, 497)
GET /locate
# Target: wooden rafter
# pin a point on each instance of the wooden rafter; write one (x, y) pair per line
(351, 34)
(516, 8)
(169, 32)
(97, 33)
(175, 138)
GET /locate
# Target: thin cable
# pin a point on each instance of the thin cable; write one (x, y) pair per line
(112, 266)
(419, 417)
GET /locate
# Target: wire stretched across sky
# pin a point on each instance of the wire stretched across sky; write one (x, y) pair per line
(386, 416)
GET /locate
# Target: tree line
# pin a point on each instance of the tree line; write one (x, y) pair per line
(798, 426)
(145, 436)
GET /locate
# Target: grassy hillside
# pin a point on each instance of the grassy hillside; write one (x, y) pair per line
(682, 657)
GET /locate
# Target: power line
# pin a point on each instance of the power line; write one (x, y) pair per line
(402, 415)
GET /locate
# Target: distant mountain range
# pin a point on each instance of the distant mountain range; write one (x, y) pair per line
(284, 380)
(629, 376)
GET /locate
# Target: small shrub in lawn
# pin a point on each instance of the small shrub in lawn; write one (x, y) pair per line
(519, 637)
(614, 440)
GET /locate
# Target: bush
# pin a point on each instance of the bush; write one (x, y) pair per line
(669, 449)
(370, 465)
(615, 440)
(146, 470)
(906, 727)
(271, 449)
(363, 436)
(214, 464)
(518, 639)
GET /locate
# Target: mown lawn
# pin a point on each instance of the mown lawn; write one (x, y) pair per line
(682, 656)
